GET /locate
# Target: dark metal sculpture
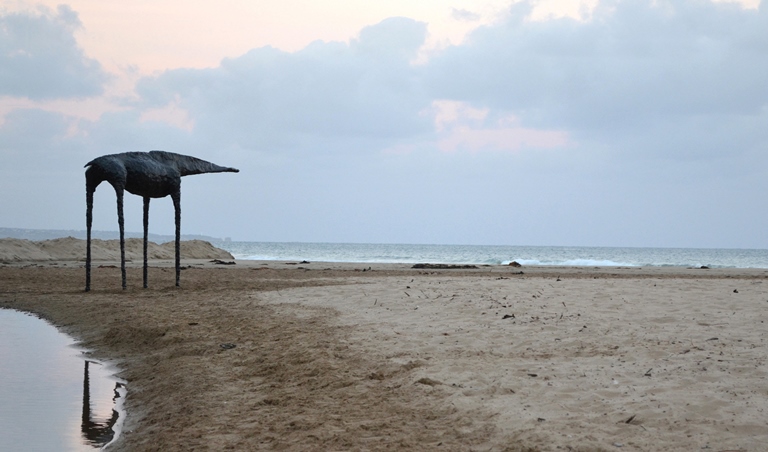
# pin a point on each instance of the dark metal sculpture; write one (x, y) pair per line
(153, 174)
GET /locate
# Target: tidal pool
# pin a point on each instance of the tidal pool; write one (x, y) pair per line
(52, 396)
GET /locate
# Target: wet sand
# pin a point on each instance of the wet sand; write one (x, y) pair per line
(385, 357)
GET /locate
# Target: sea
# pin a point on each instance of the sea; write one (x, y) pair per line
(498, 254)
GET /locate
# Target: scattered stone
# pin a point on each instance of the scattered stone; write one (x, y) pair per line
(428, 381)
(227, 346)
(515, 264)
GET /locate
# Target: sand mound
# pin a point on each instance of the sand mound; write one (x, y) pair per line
(72, 249)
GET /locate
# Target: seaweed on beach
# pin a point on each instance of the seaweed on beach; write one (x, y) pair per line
(443, 266)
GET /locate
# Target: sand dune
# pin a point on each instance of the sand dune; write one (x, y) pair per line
(71, 249)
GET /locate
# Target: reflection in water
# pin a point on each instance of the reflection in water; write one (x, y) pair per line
(97, 433)
(51, 398)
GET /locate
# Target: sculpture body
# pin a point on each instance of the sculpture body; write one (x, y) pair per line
(154, 174)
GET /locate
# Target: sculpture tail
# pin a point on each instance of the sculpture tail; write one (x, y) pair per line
(188, 165)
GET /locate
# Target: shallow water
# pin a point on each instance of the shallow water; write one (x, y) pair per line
(51, 396)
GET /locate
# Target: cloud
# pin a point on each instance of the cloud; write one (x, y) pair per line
(464, 15)
(635, 69)
(29, 137)
(460, 126)
(40, 59)
(31, 130)
(346, 95)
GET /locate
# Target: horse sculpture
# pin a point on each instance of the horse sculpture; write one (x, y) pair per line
(153, 174)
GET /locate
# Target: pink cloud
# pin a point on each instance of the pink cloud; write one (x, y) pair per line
(501, 139)
(172, 114)
(461, 126)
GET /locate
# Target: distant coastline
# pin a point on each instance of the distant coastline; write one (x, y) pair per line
(50, 234)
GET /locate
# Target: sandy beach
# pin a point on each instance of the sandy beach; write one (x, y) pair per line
(387, 357)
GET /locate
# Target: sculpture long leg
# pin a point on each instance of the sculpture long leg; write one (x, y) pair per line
(146, 233)
(88, 223)
(121, 224)
(177, 207)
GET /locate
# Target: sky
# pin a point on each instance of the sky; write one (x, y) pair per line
(638, 123)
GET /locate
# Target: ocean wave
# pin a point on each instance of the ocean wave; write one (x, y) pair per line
(571, 263)
(498, 255)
